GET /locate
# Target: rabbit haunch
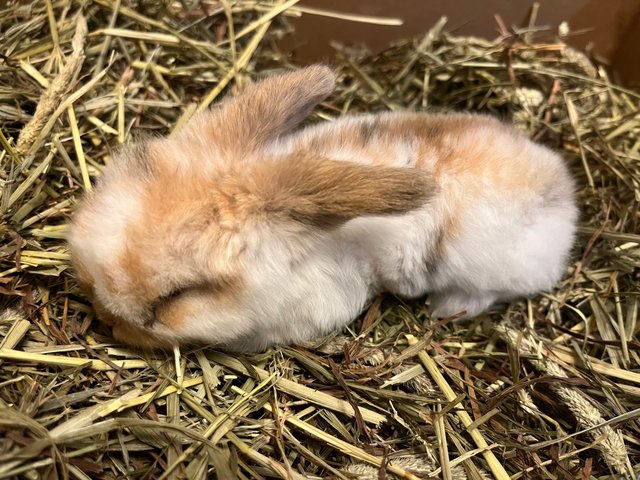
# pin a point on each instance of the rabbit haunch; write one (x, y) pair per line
(241, 233)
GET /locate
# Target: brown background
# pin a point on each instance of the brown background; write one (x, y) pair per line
(610, 29)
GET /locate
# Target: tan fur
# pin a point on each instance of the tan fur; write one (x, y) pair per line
(262, 112)
(131, 261)
(173, 310)
(448, 139)
(322, 192)
(314, 190)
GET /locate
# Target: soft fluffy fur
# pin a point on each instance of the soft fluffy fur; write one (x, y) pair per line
(241, 234)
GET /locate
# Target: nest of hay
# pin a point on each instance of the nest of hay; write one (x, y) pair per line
(546, 388)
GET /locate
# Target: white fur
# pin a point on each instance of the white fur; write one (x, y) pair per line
(97, 239)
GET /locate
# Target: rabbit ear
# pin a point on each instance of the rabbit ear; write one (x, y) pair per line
(326, 193)
(265, 110)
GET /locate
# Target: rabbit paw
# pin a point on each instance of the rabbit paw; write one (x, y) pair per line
(453, 302)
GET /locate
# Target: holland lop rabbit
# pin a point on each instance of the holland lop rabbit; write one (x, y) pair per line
(242, 233)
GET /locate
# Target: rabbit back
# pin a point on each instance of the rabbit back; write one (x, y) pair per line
(502, 221)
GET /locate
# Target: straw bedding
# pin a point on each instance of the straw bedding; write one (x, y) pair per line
(544, 388)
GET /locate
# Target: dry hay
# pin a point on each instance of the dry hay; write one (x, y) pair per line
(554, 392)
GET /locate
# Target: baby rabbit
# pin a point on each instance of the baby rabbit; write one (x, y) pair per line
(242, 234)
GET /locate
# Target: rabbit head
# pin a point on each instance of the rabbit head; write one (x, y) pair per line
(201, 237)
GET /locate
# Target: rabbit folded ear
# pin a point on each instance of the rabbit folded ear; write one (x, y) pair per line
(326, 193)
(264, 111)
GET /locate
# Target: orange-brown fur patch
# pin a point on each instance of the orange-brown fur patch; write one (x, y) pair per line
(323, 192)
(172, 312)
(264, 111)
(446, 145)
(131, 262)
(183, 212)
